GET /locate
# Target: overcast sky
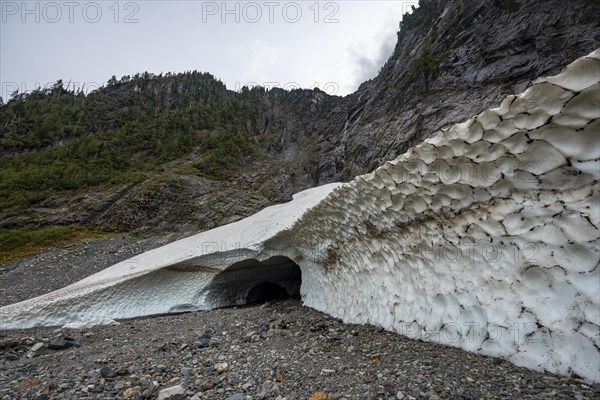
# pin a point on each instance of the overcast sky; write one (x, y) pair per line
(334, 45)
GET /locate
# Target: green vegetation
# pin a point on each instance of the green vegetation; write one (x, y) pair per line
(55, 140)
(421, 21)
(17, 243)
(428, 63)
(423, 18)
(221, 152)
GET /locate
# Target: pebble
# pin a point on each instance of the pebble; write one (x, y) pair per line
(172, 393)
(62, 343)
(221, 367)
(37, 350)
(131, 392)
(107, 372)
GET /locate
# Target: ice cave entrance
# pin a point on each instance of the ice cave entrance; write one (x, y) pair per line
(266, 291)
(252, 281)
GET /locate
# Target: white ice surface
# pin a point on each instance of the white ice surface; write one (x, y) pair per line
(484, 237)
(168, 278)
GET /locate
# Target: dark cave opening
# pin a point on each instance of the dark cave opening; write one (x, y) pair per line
(254, 282)
(266, 291)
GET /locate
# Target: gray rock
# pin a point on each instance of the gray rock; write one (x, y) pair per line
(237, 396)
(268, 389)
(208, 384)
(107, 372)
(221, 367)
(172, 393)
(62, 343)
(37, 350)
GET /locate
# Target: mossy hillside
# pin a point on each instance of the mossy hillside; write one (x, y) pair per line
(56, 142)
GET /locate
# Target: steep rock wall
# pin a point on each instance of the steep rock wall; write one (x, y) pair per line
(454, 59)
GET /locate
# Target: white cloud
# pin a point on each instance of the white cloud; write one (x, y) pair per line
(370, 56)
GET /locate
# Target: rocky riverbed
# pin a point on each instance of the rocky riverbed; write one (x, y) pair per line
(279, 350)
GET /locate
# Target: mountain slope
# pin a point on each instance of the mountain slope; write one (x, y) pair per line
(182, 152)
(156, 151)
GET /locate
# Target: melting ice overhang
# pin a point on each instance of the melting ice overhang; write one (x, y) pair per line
(484, 237)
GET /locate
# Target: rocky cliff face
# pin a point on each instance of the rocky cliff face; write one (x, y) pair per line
(297, 133)
(454, 59)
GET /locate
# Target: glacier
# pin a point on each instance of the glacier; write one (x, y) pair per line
(484, 237)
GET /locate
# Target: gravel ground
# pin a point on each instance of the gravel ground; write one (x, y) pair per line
(278, 350)
(274, 351)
